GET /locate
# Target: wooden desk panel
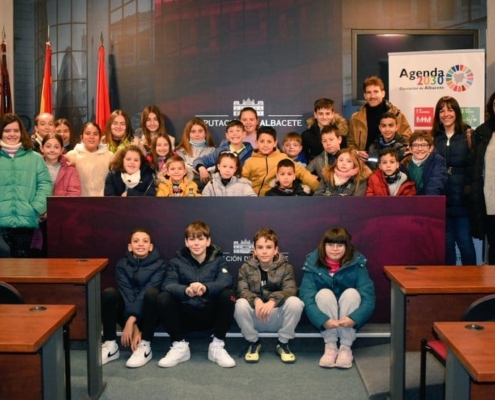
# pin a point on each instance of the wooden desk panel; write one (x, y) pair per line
(21, 376)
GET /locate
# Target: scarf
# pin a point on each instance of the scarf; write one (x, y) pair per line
(131, 180)
(198, 144)
(333, 266)
(10, 149)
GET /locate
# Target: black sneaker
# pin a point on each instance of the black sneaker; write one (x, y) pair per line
(253, 352)
(285, 354)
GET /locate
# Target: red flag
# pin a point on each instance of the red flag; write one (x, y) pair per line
(6, 101)
(102, 95)
(46, 91)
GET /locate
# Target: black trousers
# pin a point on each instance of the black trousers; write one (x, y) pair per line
(18, 241)
(179, 318)
(490, 234)
(112, 313)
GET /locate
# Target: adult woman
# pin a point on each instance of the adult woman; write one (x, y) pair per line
(92, 160)
(24, 186)
(451, 142)
(483, 185)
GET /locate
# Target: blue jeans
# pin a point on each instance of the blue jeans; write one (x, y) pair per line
(458, 231)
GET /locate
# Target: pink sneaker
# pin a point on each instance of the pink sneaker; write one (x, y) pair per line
(328, 358)
(344, 359)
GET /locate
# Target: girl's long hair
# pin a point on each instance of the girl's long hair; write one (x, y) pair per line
(363, 170)
(184, 140)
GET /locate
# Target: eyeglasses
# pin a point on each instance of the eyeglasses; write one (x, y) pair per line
(420, 145)
(335, 245)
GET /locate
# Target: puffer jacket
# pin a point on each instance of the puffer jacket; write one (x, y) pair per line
(261, 170)
(235, 188)
(25, 184)
(434, 175)
(135, 276)
(377, 186)
(280, 286)
(67, 183)
(459, 171)
(186, 187)
(311, 137)
(115, 186)
(184, 270)
(352, 274)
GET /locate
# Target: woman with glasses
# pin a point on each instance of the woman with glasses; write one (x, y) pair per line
(338, 295)
(452, 140)
(483, 188)
(426, 168)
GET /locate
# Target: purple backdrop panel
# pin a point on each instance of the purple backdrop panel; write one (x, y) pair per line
(387, 230)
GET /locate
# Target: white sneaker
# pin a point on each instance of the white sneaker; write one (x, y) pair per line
(218, 354)
(140, 356)
(179, 352)
(109, 351)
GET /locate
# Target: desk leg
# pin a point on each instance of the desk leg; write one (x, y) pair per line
(95, 374)
(53, 367)
(457, 379)
(397, 344)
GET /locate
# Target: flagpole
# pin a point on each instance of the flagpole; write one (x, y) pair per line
(5, 91)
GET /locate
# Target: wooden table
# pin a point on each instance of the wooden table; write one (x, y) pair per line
(422, 295)
(65, 281)
(471, 353)
(32, 362)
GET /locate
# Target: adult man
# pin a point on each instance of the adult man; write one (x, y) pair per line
(363, 125)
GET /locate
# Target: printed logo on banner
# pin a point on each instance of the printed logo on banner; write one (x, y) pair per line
(459, 78)
(266, 119)
(471, 116)
(241, 250)
(423, 117)
(259, 106)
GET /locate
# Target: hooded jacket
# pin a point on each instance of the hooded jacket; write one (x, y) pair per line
(135, 276)
(311, 137)
(377, 186)
(353, 274)
(235, 188)
(280, 286)
(261, 169)
(184, 270)
(25, 184)
(67, 183)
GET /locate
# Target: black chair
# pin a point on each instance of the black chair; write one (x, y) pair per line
(481, 310)
(9, 294)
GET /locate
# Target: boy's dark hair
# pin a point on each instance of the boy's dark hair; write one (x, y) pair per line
(286, 162)
(388, 150)
(197, 229)
(143, 230)
(267, 234)
(117, 163)
(421, 135)
(266, 130)
(293, 136)
(331, 128)
(233, 156)
(337, 234)
(324, 103)
(373, 81)
(234, 122)
(388, 114)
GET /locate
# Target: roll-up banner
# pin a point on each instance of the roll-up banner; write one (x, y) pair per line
(417, 80)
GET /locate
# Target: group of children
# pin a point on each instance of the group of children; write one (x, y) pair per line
(195, 292)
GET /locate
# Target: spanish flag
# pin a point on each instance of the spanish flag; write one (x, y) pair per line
(46, 91)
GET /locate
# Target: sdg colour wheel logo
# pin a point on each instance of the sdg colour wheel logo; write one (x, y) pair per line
(459, 78)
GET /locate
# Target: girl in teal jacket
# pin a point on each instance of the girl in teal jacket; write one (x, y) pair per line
(338, 295)
(24, 186)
